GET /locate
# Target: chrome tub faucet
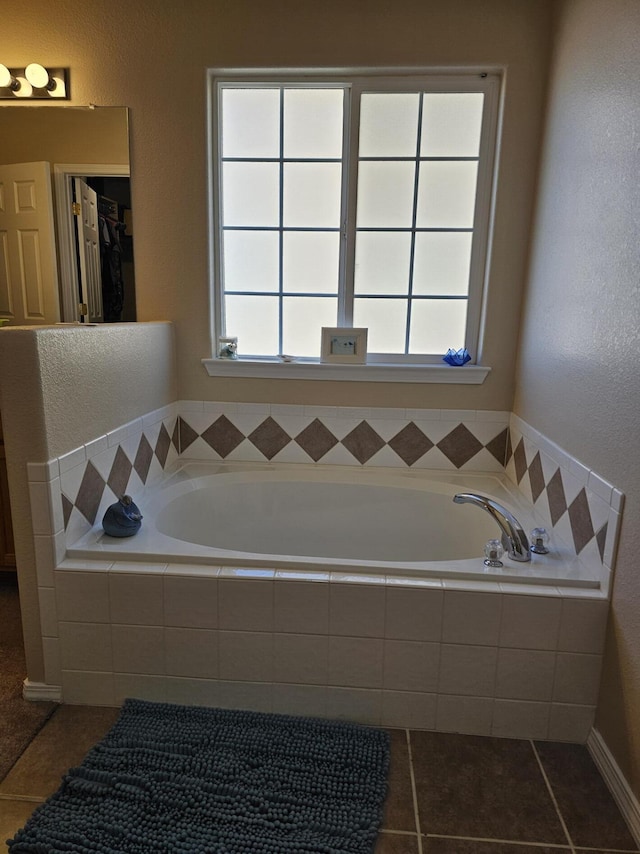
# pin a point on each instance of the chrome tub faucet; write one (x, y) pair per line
(514, 539)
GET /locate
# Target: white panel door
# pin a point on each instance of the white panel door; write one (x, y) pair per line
(28, 268)
(89, 250)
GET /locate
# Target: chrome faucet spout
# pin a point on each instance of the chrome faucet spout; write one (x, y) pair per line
(514, 539)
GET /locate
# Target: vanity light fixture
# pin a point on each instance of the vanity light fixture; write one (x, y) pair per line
(33, 81)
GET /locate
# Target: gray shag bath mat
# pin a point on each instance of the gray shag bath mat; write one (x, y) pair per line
(190, 780)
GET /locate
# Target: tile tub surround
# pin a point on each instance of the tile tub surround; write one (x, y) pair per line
(424, 653)
(418, 653)
(70, 493)
(576, 506)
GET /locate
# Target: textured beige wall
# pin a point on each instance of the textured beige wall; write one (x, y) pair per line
(152, 57)
(60, 387)
(578, 379)
(64, 134)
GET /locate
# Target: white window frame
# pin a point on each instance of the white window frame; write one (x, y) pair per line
(379, 367)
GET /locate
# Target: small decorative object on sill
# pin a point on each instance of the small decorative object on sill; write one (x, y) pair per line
(284, 357)
(344, 345)
(122, 519)
(227, 348)
(457, 357)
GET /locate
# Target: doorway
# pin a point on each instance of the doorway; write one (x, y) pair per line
(112, 298)
(95, 242)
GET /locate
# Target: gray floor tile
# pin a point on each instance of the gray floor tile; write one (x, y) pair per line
(485, 788)
(399, 813)
(588, 809)
(61, 744)
(13, 816)
(390, 843)
(477, 846)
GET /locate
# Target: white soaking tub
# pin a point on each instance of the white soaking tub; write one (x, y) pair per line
(342, 518)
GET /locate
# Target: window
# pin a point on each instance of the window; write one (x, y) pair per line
(352, 202)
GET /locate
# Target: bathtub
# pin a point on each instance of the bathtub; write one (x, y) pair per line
(332, 519)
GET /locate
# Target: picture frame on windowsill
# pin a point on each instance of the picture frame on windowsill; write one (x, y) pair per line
(344, 345)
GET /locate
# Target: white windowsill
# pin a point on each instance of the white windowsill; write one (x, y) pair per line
(377, 373)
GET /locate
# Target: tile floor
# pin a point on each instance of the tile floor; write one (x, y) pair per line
(448, 794)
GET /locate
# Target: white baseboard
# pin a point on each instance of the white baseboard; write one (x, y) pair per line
(614, 778)
(41, 691)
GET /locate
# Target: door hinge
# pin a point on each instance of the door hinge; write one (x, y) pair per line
(75, 208)
(83, 309)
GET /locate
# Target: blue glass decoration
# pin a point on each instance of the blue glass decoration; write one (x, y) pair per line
(122, 519)
(457, 357)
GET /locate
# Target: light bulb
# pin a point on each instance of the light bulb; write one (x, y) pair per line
(37, 75)
(24, 89)
(7, 80)
(493, 551)
(56, 87)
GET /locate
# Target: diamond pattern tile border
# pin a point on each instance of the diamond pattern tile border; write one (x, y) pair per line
(363, 442)
(120, 473)
(552, 491)
(92, 487)
(410, 443)
(90, 493)
(269, 438)
(142, 461)
(222, 436)
(316, 440)
(536, 477)
(162, 446)
(500, 447)
(555, 497)
(460, 445)
(581, 524)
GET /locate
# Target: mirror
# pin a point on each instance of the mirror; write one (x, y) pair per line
(91, 246)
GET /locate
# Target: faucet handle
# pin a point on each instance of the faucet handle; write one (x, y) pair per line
(493, 551)
(539, 541)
